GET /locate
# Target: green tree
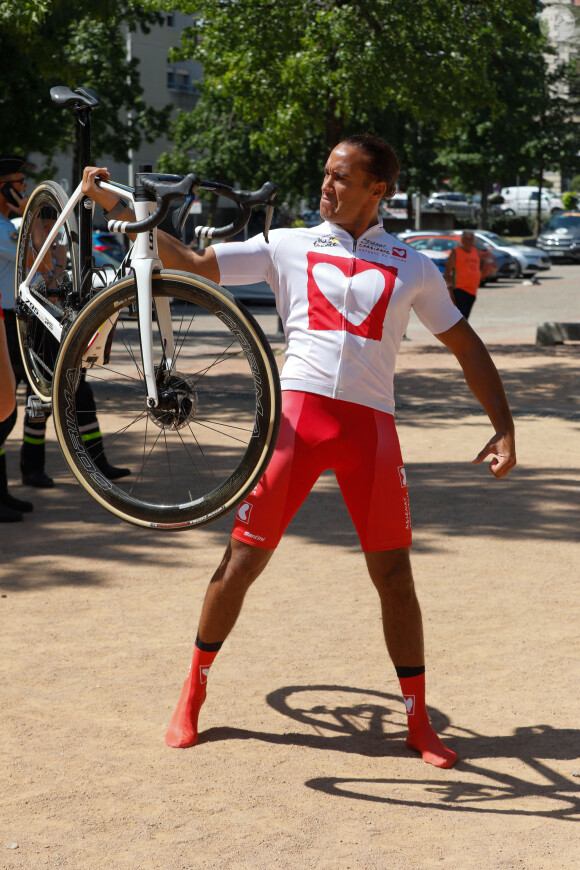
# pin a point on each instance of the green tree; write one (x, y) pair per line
(535, 129)
(286, 81)
(553, 140)
(74, 43)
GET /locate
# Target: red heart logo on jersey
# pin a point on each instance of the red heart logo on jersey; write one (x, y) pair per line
(371, 287)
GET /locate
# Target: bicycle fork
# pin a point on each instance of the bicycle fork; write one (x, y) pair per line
(145, 261)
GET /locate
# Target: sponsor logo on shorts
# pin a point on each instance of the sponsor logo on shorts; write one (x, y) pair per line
(407, 511)
(409, 704)
(203, 673)
(254, 537)
(244, 511)
(402, 476)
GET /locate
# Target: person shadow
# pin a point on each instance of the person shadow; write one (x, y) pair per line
(372, 723)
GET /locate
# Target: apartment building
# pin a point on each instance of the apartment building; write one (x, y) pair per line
(164, 83)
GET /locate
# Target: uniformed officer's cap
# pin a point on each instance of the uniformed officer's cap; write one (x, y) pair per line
(10, 164)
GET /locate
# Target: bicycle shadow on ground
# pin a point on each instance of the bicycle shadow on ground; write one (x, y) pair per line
(448, 500)
(373, 724)
(69, 539)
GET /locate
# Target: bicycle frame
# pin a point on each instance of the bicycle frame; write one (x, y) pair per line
(144, 260)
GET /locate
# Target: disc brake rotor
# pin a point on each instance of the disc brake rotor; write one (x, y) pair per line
(177, 400)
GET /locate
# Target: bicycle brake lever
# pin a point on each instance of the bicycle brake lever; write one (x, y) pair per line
(268, 220)
(180, 215)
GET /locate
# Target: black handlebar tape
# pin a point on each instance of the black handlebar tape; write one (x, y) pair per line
(141, 226)
(229, 230)
(245, 200)
(164, 188)
(167, 187)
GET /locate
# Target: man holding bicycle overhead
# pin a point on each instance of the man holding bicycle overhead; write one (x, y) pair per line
(344, 291)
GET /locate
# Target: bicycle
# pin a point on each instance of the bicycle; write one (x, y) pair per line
(186, 383)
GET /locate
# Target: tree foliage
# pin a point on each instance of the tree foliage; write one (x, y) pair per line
(536, 130)
(286, 81)
(74, 43)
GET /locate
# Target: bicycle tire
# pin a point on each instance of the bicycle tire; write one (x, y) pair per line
(39, 348)
(199, 454)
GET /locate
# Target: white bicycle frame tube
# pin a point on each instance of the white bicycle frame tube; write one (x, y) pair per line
(144, 260)
(24, 293)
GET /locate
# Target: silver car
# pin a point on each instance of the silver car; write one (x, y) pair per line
(561, 236)
(530, 260)
(455, 203)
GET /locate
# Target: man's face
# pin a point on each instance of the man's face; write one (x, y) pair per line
(467, 241)
(350, 194)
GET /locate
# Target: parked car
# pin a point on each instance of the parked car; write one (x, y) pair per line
(253, 294)
(560, 238)
(455, 203)
(524, 200)
(438, 245)
(528, 260)
(109, 243)
(395, 207)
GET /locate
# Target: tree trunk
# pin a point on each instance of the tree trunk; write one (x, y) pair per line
(334, 126)
(538, 225)
(484, 193)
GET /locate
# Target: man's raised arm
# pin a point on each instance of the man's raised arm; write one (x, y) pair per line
(484, 381)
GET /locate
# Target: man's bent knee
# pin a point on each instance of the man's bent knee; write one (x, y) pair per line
(242, 562)
(390, 567)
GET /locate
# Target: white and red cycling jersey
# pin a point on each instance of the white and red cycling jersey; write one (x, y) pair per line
(344, 304)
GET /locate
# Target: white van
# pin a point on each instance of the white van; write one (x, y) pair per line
(524, 200)
(396, 207)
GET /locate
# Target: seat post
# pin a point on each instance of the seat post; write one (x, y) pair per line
(85, 216)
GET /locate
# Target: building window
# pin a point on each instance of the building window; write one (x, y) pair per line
(180, 80)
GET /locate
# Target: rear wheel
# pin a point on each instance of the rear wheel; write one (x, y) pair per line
(53, 280)
(204, 447)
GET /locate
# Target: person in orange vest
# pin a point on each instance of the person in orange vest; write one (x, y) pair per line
(464, 271)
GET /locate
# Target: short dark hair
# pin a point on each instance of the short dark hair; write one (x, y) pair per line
(381, 158)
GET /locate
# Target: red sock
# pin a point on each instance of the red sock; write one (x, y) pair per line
(182, 731)
(421, 735)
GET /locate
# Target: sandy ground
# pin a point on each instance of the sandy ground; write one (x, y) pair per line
(301, 761)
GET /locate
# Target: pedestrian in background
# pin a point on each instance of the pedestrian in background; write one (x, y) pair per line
(464, 271)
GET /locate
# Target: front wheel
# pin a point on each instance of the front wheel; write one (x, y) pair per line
(198, 453)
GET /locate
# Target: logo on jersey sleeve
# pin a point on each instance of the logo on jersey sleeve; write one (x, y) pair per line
(399, 252)
(371, 286)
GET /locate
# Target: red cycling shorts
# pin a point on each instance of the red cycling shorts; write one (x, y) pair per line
(359, 444)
